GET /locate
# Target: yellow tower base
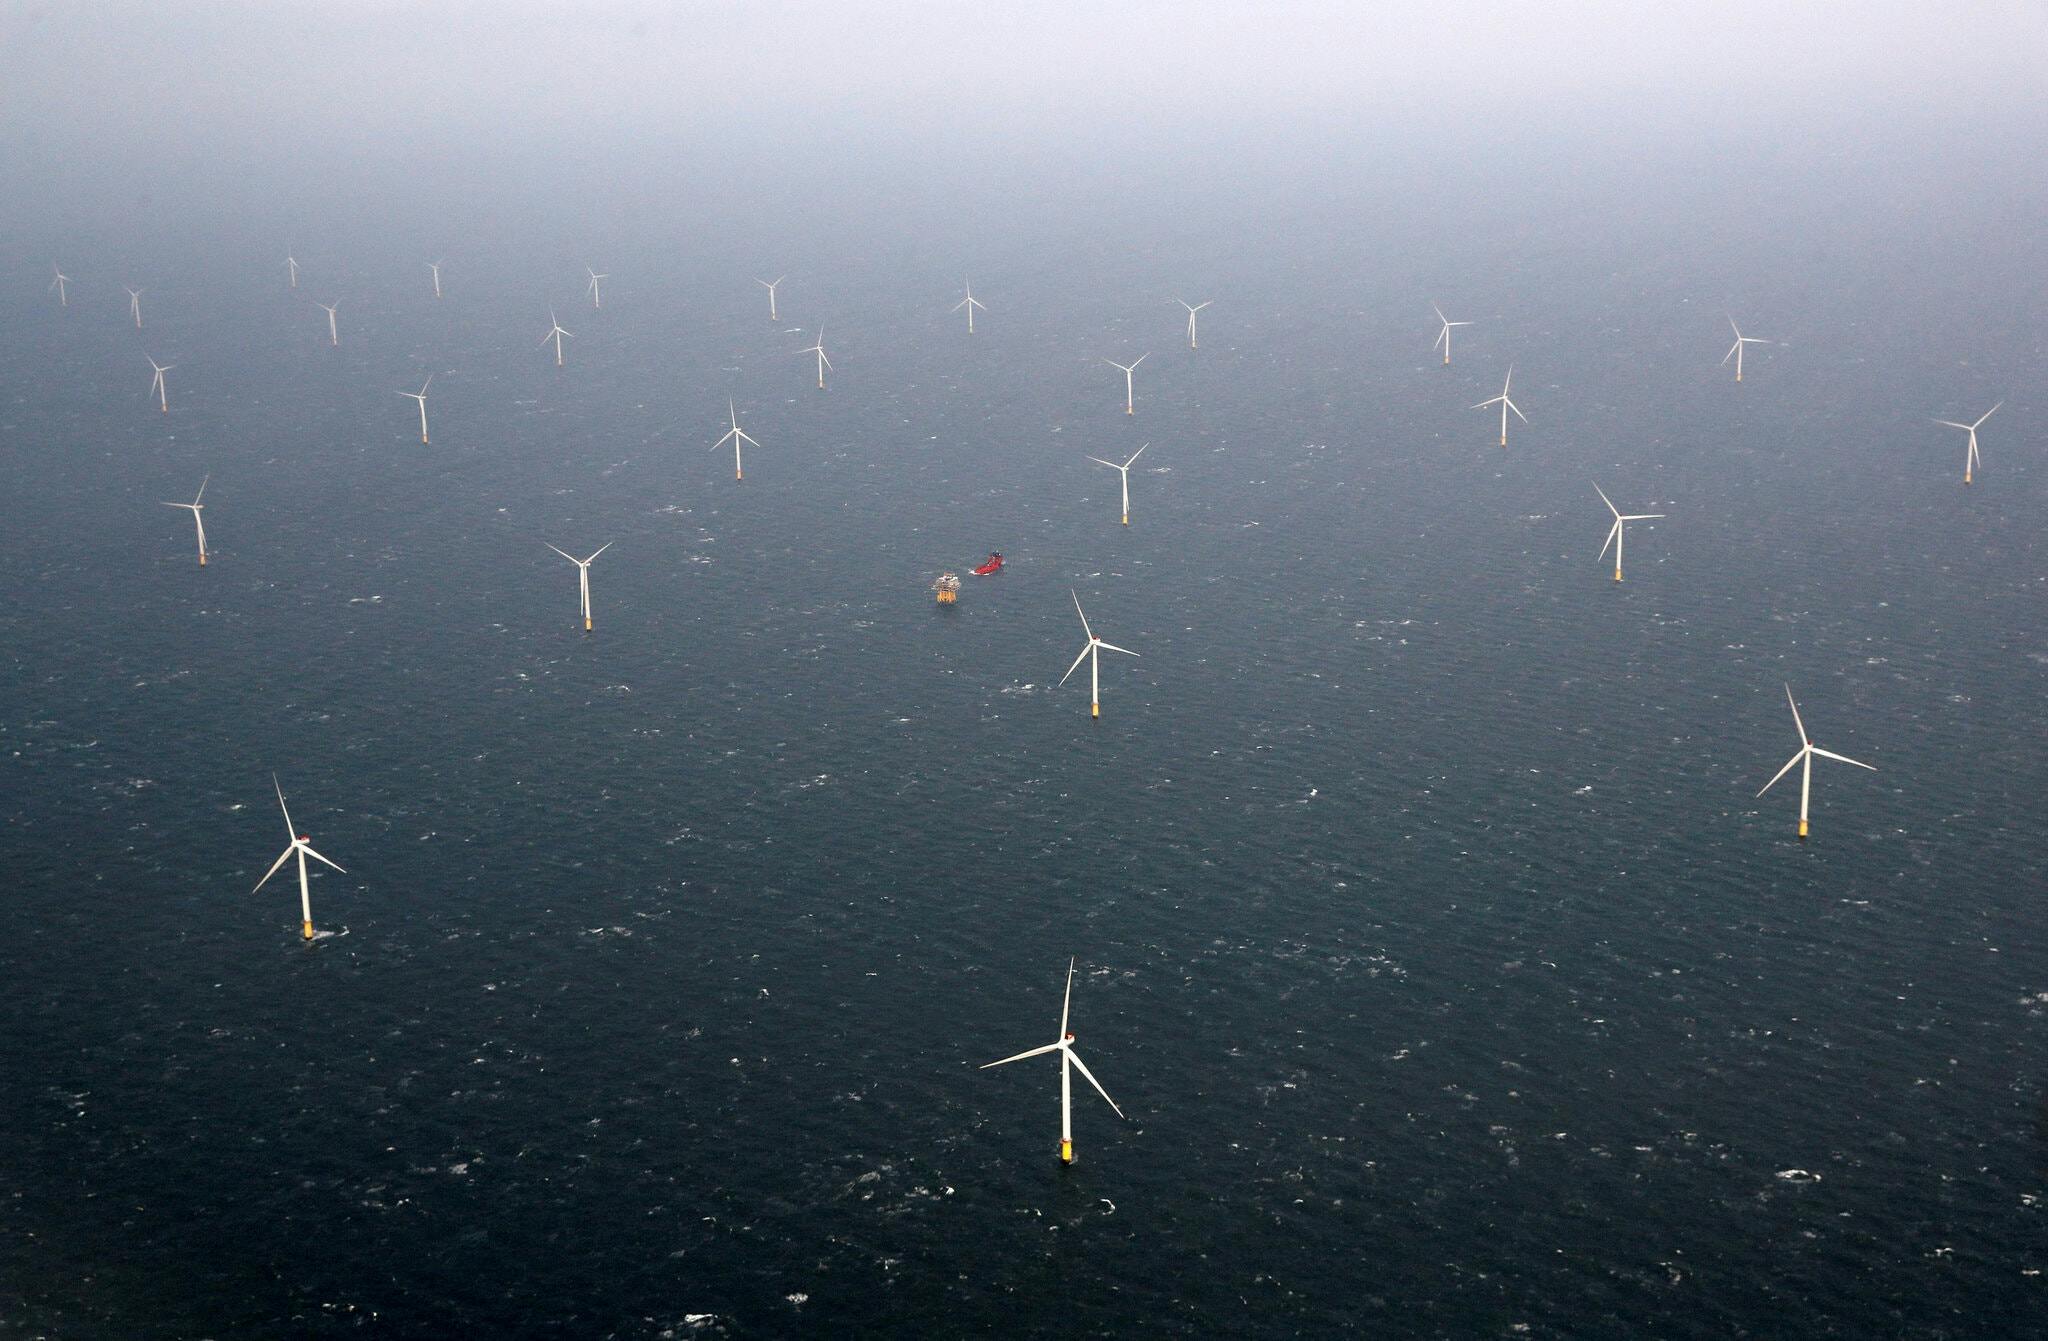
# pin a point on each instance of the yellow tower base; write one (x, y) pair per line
(1802, 831)
(1066, 1152)
(1127, 519)
(586, 623)
(202, 561)
(1095, 710)
(1617, 575)
(306, 930)
(948, 597)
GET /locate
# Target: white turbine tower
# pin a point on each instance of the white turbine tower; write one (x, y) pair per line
(823, 362)
(421, 397)
(1443, 337)
(555, 333)
(1129, 370)
(770, 285)
(1614, 537)
(196, 507)
(159, 385)
(333, 328)
(62, 279)
(736, 436)
(135, 306)
(435, 266)
(1735, 350)
(1070, 1061)
(302, 848)
(583, 576)
(1807, 749)
(1505, 405)
(596, 293)
(1970, 461)
(970, 303)
(1192, 309)
(1125, 471)
(291, 266)
(1092, 653)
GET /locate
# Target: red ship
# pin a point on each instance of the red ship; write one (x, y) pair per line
(994, 564)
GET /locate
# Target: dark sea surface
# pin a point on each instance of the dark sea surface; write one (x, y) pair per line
(1429, 930)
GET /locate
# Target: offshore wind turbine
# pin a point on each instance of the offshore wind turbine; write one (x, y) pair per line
(1505, 405)
(1192, 309)
(1130, 393)
(196, 506)
(596, 294)
(159, 386)
(421, 397)
(435, 266)
(823, 362)
(1069, 1061)
(970, 303)
(1125, 471)
(737, 436)
(291, 265)
(555, 333)
(333, 329)
(770, 286)
(1735, 350)
(1443, 337)
(1614, 537)
(1092, 653)
(62, 279)
(1970, 461)
(302, 848)
(1807, 749)
(583, 576)
(135, 306)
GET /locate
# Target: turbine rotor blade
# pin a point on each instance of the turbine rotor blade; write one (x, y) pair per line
(317, 857)
(1077, 664)
(281, 806)
(1035, 1052)
(1084, 614)
(277, 865)
(1843, 758)
(1783, 771)
(1082, 1067)
(1610, 539)
(1112, 647)
(1803, 739)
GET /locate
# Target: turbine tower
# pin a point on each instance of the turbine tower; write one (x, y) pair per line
(135, 306)
(1192, 309)
(333, 329)
(1443, 337)
(736, 436)
(302, 848)
(1807, 749)
(770, 285)
(1505, 405)
(1970, 461)
(823, 362)
(1070, 1061)
(159, 385)
(1125, 471)
(1735, 350)
(583, 576)
(596, 293)
(970, 304)
(62, 279)
(1092, 653)
(421, 397)
(1614, 537)
(555, 333)
(435, 266)
(196, 507)
(1130, 393)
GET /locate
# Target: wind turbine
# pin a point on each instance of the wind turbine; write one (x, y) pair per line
(303, 849)
(435, 266)
(135, 306)
(197, 507)
(1130, 394)
(1735, 350)
(770, 286)
(596, 294)
(421, 397)
(1443, 336)
(1191, 317)
(1614, 537)
(62, 279)
(1092, 654)
(970, 303)
(1807, 749)
(1070, 1061)
(1125, 471)
(583, 576)
(1505, 405)
(291, 265)
(333, 329)
(1970, 461)
(737, 436)
(823, 362)
(158, 385)
(555, 333)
